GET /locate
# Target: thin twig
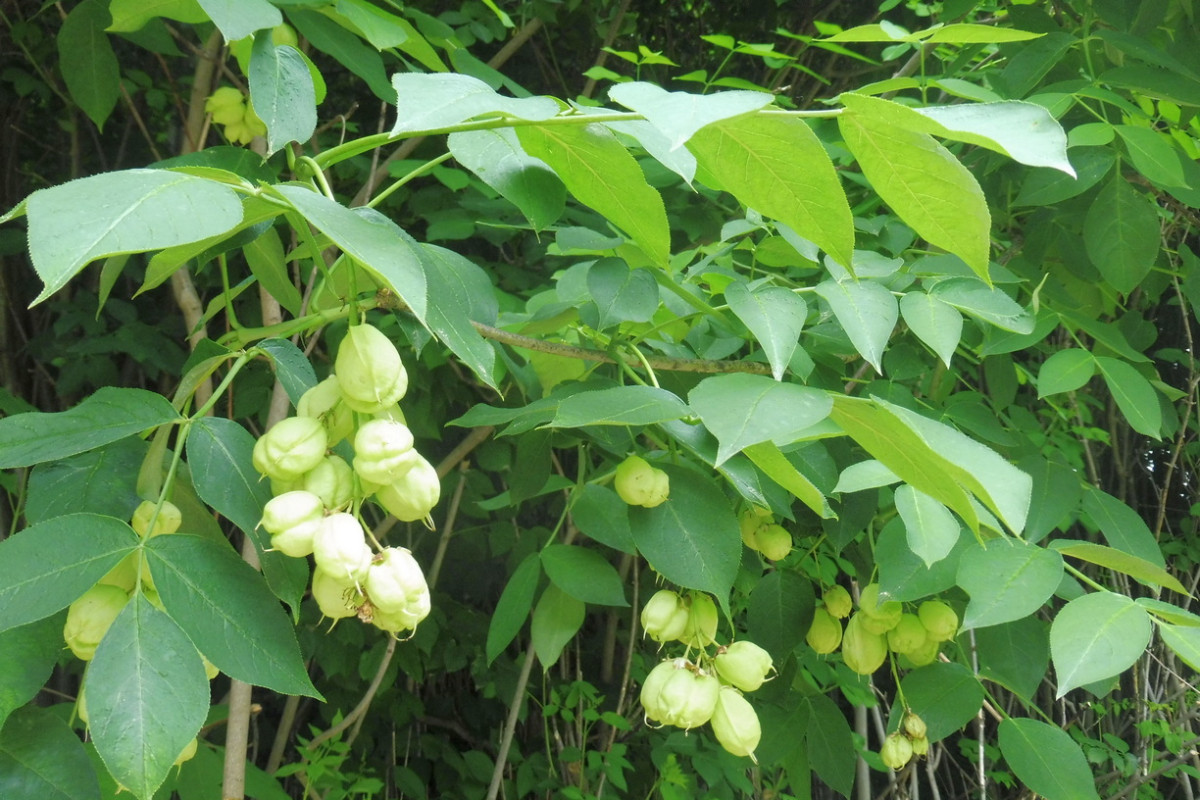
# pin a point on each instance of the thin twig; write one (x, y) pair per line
(365, 703)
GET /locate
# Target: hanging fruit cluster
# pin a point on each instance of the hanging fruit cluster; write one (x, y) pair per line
(761, 533)
(639, 484)
(318, 493)
(232, 110)
(901, 745)
(688, 692)
(878, 627)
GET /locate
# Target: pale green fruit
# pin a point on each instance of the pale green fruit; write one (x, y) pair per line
(774, 542)
(370, 373)
(744, 665)
(90, 617)
(878, 617)
(908, 636)
(340, 548)
(403, 620)
(414, 495)
(639, 484)
(838, 602)
(665, 616)
(914, 726)
(284, 34)
(652, 686)
(687, 698)
(227, 105)
(324, 402)
(383, 451)
(293, 519)
(335, 597)
(735, 723)
(751, 522)
(124, 574)
(332, 480)
(920, 746)
(291, 448)
(701, 628)
(395, 583)
(939, 619)
(924, 655)
(896, 751)
(863, 651)
(167, 520)
(825, 633)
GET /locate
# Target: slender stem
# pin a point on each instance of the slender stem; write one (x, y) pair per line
(421, 170)
(510, 724)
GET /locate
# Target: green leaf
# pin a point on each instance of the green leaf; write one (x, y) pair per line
(903, 576)
(768, 411)
(239, 18)
(383, 30)
(921, 180)
(1122, 527)
(346, 48)
(1135, 395)
(429, 102)
(621, 405)
(28, 655)
(227, 611)
(1015, 654)
(1121, 234)
(41, 757)
(932, 529)
(1184, 641)
(1046, 760)
(946, 696)
(742, 475)
(292, 367)
(100, 481)
(867, 312)
(513, 607)
(556, 620)
(780, 613)
(219, 452)
(830, 743)
(87, 61)
(132, 15)
(601, 173)
(935, 323)
(678, 115)
(497, 158)
(147, 696)
(282, 92)
(1025, 132)
(74, 223)
(1056, 493)
(620, 294)
(776, 466)
(1043, 187)
(47, 566)
(984, 302)
(371, 239)
(1153, 154)
(693, 538)
(1137, 568)
(869, 474)
(1160, 84)
(1097, 636)
(584, 574)
(603, 516)
(754, 158)
(679, 160)
(266, 260)
(1168, 612)
(1007, 580)
(462, 293)
(1065, 371)
(774, 315)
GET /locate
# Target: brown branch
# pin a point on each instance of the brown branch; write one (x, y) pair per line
(614, 28)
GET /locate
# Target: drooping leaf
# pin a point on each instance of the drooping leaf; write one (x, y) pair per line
(679, 115)
(292, 367)
(584, 574)
(497, 158)
(40, 756)
(1135, 396)
(620, 294)
(1137, 568)
(693, 538)
(932, 529)
(1056, 493)
(602, 175)
(780, 612)
(1183, 640)
(1153, 155)
(87, 61)
(1047, 760)
(984, 302)
(622, 405)
(935, 323)
(282, 92)
(239, 18)
(514, 605)
(74, 223)
(754, 157)
(1121, 234)
(601, 515)
(830, 744)
(100, 481)
(922, 182)
(1044, 187)
(384, 29)
(1065, 371)
(867, 312)
(147, 695)
(556, 619)
(431, 101)
(1123, 528)
(945, 696)
(767, 410)
(346, 48)
(1096, 636)
(462, 294)
(869, 474)
(1007, 580)
(1015, 654)
(774, 315)
(227, 611)
(266, 260)
(132, 15)
(371, 239)
(28, 655)
(1025, 132)
(47, 566)
(776, 466)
